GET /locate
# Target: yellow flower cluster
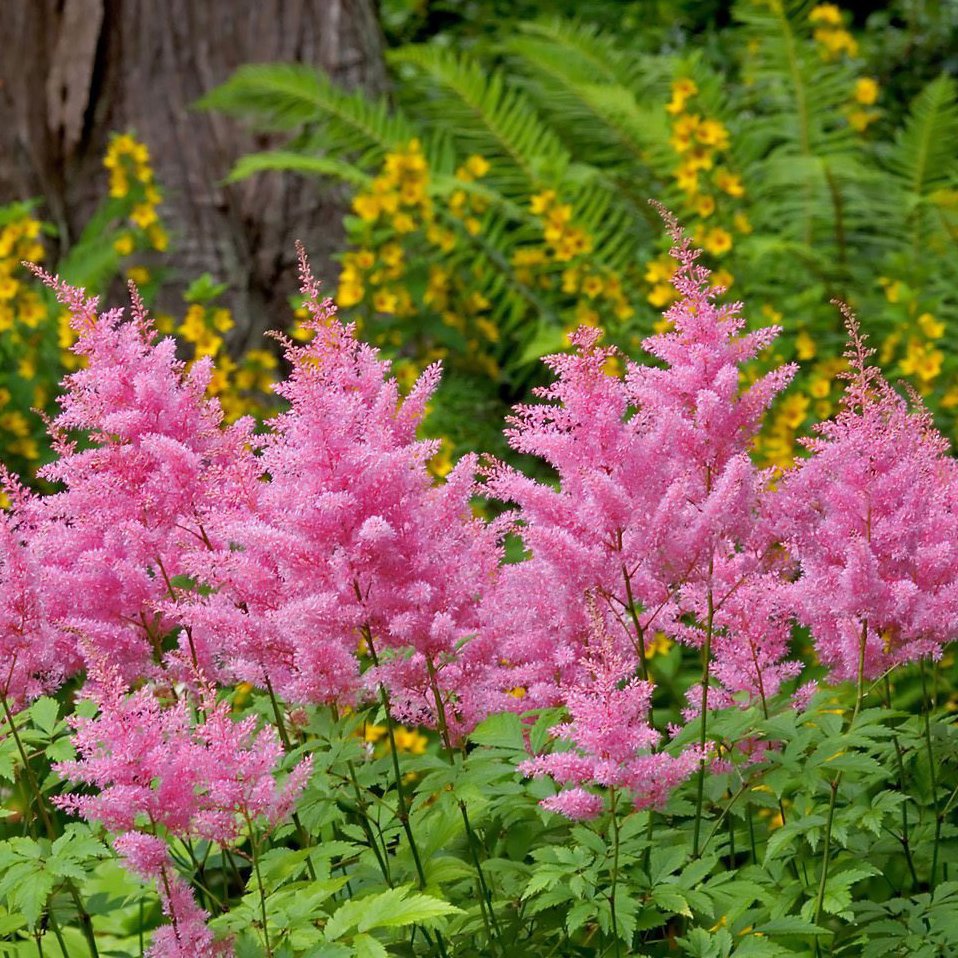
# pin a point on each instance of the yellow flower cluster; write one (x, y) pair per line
(407, 740)
(564, 240)
(561, 264)
(708, 186)
(915, 341)
(23, 315)
(241, 387)
(864, 95)
(830, 33)
(398, 230)
(132, 180)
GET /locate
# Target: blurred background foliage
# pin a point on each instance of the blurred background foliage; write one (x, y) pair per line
(498, 198)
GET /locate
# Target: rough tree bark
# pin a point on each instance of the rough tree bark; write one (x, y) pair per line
(72, 71)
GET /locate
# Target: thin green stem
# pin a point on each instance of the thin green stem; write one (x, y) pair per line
(905, 838)
(939, 818)
(259, 882)
(706, 665)
(485, 894)
(301, 832)
(86, 922)
(614, 829)
(402, 806)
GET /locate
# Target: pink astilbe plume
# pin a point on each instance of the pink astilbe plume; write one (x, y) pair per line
(657, 495)
(871, 516)
(156, 764)
(187, 935)
(149, 462)
(35, 656)
(612, 742)
(351, 544)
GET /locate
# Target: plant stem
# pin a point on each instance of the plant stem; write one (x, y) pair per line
(934, 776)
(86, 922)
(402, 807)
(259, 883)
(706, 665)
(905, 840)
(826, 852)
(485, 894)
(614, 828)
(304, 838)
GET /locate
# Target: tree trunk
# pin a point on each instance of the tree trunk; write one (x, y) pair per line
(73, 71)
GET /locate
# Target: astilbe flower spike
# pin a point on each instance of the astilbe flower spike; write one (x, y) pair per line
(612, 741)
(36, 657)
(159, 770)
(351, 547)
(658, 509)
(871, 517)
(134, 493)
(155, 762)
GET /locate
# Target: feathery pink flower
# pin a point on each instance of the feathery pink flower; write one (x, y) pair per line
(657, 498)
(154, 762)
(612, 742)
(350, 542)
(871, 516)
(151, 459)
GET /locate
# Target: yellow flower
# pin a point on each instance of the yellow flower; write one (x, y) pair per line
(825, 13)
(473, 226)
(409, 740)
(124, 244)
(866, 90)
(661, 295)
(477, 165)
(835, 42)
(712, 133)
(592, 286)
(728, 182)
(804, 345)
(660, 269)
(793, 410)
(705, 205)
(931, 327)
(893, 288)
(139, 275)
(541, 202)
(682, 89)
(659, 644)
(861, 120)
(349, 294)
(741, 223)
(385, 301)
(723, 278)
(27, 366)
(222, 320)
(157, 237)
(403, 223)
(143, 215)
(8, 287)
(819, 388)
(687, 178)
(717, 241)
(366, 207)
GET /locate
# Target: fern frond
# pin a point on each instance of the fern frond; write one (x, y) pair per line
(589, 53)
(289, 160)
(485, 114)
(288, 96)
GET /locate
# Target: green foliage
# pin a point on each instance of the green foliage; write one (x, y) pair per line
(540, 147)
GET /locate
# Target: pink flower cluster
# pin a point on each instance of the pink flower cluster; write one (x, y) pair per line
(871, 516)
(612, 743)
(160, 771)
(321, 561)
